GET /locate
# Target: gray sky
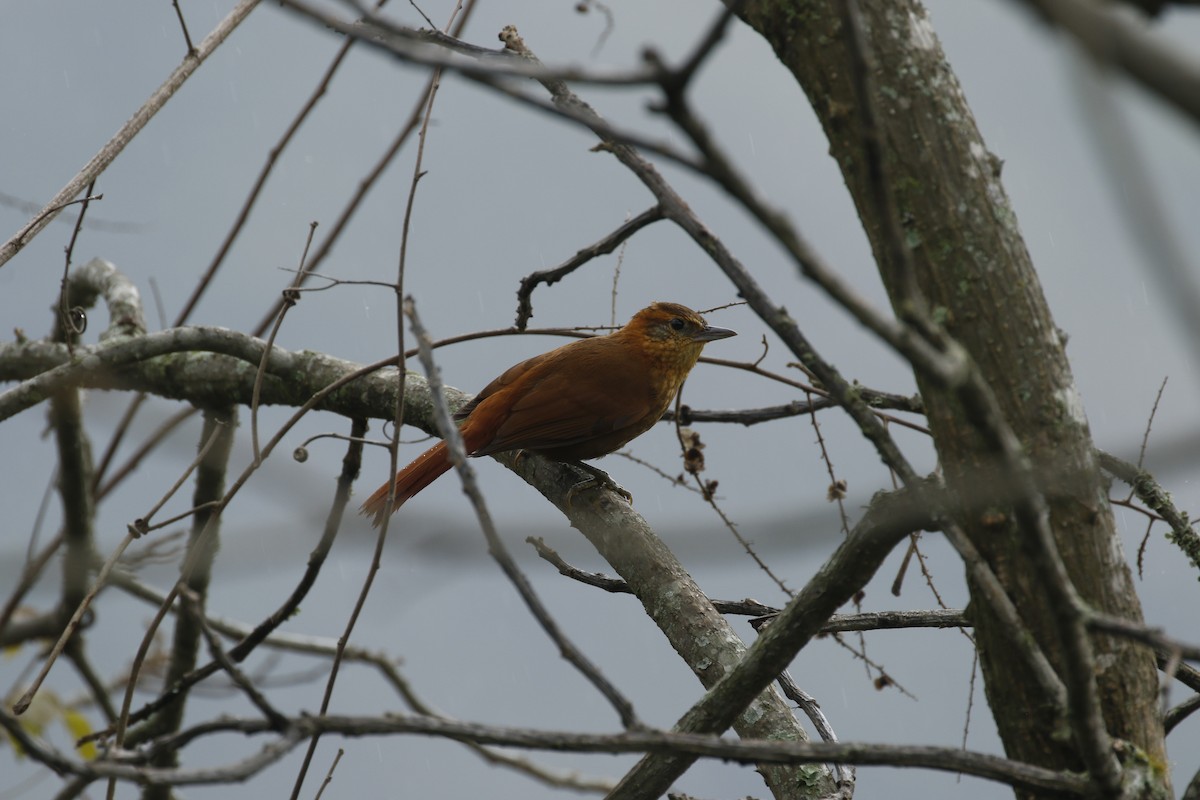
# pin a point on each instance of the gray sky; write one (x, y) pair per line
(508, 192)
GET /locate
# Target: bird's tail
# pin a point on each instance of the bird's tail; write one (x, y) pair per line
(416, 476)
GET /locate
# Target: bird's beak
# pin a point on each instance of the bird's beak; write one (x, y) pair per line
(711, 334)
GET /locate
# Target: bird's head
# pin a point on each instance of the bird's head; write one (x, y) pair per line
(672, 333)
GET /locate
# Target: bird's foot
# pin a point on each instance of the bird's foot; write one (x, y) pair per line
(599, 480)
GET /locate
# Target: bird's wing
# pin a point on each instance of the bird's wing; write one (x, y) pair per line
(564, 398)
(510, 376)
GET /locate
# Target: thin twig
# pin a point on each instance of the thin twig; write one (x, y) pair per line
(97, 690)
(1138, 632)
(1149, 423)
(252, 638)
(206, 279)
(128, 131)
(195, 607)
(864, 621)
(165, 429)
(837, 487)
(1141, 551)
(693, 461)
(596, 249)
(1183, 535)
(72, 320)
(290, 297)
(398, 418)
(496, 546)
(34, 564)
(329, 775)
(812, 709)
(187, 37)
(958, 373)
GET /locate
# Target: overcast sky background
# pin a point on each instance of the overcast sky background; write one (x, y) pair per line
(508, 192)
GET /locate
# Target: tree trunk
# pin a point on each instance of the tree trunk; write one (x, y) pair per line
(971, 265)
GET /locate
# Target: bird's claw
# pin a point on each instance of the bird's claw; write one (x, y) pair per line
(598, 479)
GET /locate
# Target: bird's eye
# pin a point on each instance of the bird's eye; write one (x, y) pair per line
(677, 324)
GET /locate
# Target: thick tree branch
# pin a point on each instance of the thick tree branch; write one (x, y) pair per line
(167, 361)
(216, 444)
(888, 520)
(974, 273)
(202, 365)
(691, 746)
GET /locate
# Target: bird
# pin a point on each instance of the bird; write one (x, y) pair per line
(580, 401)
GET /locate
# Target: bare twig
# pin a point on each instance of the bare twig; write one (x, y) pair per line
(329, 775)
(206, 279)
(886, 522)
(1151, 637)
(691, 746)
(596, 249)
(1141, 551)
(1150, 422)
(435, 82)
(128, 131)
(1115, 39)
(250, 639)
(863, 621)
(1183, 534)
(187, 37)
(1181, 712)
(693, 460)
(958, 373)
(398, 414)
(195, 607)
(368, 181)
(195, 574)
(496, 546)
(34, 565)
(72, 320)
(837, 487)
(165, 429)
(290, 297)
(812, 709)
(97, 690)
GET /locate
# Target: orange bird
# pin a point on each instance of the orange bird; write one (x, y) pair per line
(580, 401)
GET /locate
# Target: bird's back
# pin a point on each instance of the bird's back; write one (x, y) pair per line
(580, 401)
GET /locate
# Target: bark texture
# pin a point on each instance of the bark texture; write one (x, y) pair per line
(971, 264)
